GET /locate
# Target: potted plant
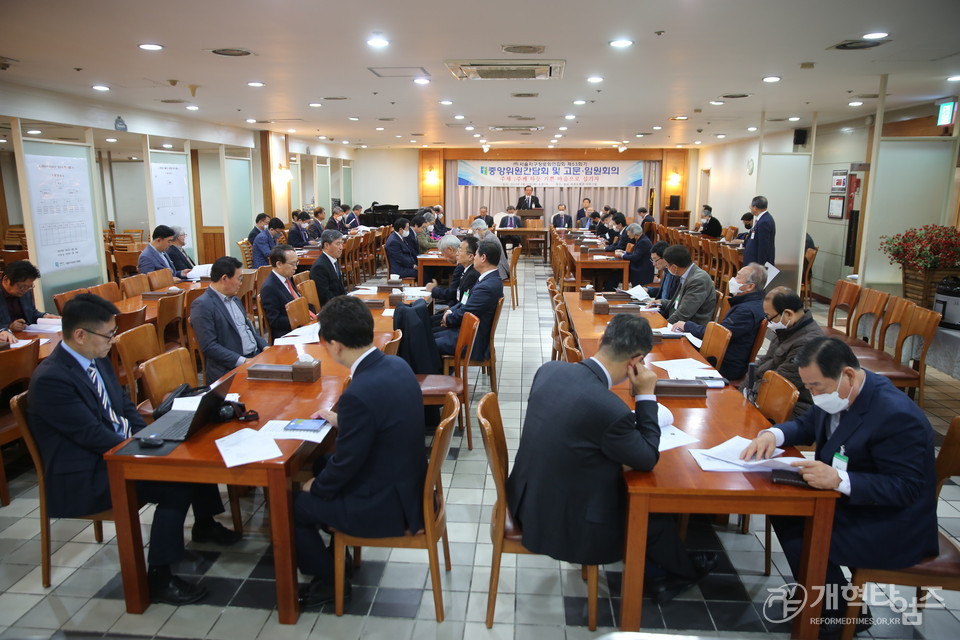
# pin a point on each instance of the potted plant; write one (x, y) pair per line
(926, 255)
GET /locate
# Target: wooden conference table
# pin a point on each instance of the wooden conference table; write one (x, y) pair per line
(199, 460)
(678, 485)
(525, 233)
(431, 259)
(586, 261)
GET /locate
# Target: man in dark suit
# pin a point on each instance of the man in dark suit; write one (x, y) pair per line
(618, 238)
(261, 223)
(400, 255)
(464, 275)
(641, 268)
(695, 298)
(77, 412)
(668, 283)
(154, 255)
(352, 219)
(743, 320)
(278, 289)
(336, 221)
(265, 241)
(373, 484)
(510, 221)
(226, 336)
(760, 245)
(710, 226)
(315, 230)
(439, 228)
(325, 272)
(583, 211)
(298, 236)
(481, 302)
(747, 221)
(875, 446)
(645, 216)
(561, 219)
(485, 216)
(528, 200)
(17, 308)
(178, 256)
(566, 489)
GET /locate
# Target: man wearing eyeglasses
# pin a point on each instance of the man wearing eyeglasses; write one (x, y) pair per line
(17, 308)
(78, 411)
(278, 289)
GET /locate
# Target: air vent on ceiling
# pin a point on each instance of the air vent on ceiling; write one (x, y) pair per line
(776, 119)
(857, 45)
(232, 52)
(735, 96)
(336, 98)
(868, 96)
(524, 95)
(509, 127)
(529, 49)
(386, 119)
(173, 101)
(399, 72)
(506, 69)
(416, 134)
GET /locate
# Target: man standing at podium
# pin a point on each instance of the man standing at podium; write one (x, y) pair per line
(528, 200)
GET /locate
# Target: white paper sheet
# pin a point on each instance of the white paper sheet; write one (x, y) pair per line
(639, 292)
(312, 329)
(712, 464)
(695, 341)
(275, 430)
(44, 328)
(363, 291)
(603, 258)
(193, 402)
(681, 363)
(387, 313)
(729, 452)
(295, 340)
(671, 438)
(246, 446)
(20, 343)
(199, 271)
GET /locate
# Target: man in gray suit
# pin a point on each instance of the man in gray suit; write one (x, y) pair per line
(226, 336)
(566, 490)
(696, 298)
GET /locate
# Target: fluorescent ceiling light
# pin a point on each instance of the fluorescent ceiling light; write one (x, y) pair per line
(579, 102)
(751, 128)
(314, 105)
(108, 140)
(621, 43)
(794, 118)
(594, 79)
(570, 116)
(378, 41)
(771, 79)
(256, 84)
(446, 103)
(716, 103)
(422, 80)
(855, 103)
(147, 46)
(192, 107)
(657, 128)
(876, 35)
(251, 121)
(100, 87)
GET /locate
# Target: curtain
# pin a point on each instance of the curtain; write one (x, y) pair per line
(465, 202)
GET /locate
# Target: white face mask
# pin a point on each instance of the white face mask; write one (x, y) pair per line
(429, 228)
(776, 326)
(734, 287)
(832, 403)
(405, 233)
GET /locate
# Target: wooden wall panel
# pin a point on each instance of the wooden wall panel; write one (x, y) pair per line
(212, 244)
(431, 177)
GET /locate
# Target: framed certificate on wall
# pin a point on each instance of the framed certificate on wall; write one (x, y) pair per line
(835, 208)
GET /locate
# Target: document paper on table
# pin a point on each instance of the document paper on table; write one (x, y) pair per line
(276, 429)
(307, 334)
(246, 446)
(729, 453)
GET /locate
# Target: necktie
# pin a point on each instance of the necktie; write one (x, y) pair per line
(166, 259)
(293, 292)
(120, 424)
(528, 202)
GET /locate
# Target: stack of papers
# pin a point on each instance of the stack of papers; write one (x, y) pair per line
(276, 430)
(199, 271)
(726, 457)
(604, 258)
(669, 331)
(690, 369)
(307, 334)
(246, 446)
(364, 291)
(638, 292)
(671, 438)
(45, 325)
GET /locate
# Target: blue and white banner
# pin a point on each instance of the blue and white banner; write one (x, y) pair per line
(550, 173)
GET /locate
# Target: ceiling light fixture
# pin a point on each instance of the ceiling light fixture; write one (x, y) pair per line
(486, 148)
(315, 105)
(549, 146)
(346, 142)
(192, 107)
(771, 79)
(100, 87)
(657, 128)
(413, 142)
(482, 141)
(363, 146)
(458, 117)
(559, 135)
(876, 35)
(251, 121)
(680, 118)
(397, 136)
(697, 141)
(379, 128)
(953, 79)
(111, 139)
(446, 103)
(421, 80)
(570, 116)
(353, 118)
(2, 140)
(256, 84)
(639, 135)
(167, 145)
(321, 137)
(553, 142)
(794, 118)
(562, 128)
(716, 103)
(855, 103)
(621, 43)
(594, 79)
(751, 129)
(476, 135)
(291, 130)
(679, 146)
(34, 132)
(721, 136)
(147, 46)
(579, 102)
(377, 41)
(133, 157)
(468, 128)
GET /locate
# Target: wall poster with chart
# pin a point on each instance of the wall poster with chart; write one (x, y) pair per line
(171, 192)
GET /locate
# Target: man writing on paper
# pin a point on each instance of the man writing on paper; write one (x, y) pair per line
(154, 256)
(875, 446)
(695, 298)
(566, 489)
(17, 308)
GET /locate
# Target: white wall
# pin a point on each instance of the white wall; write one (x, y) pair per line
(211, 188)
(11, 188)
(387, 176)
(130, 196)
(731, 188)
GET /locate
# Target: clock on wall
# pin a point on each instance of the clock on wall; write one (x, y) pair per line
(750, 166)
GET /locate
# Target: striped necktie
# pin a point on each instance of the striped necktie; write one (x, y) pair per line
(120, 424)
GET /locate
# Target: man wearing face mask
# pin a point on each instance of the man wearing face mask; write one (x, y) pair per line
(743, 319)
(792, 328)
(747, 221)
(874, 446)
(695, 298)
(710, 226)
(402, 258)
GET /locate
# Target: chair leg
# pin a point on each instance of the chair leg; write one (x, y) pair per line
(583, 572)
(339, 571)
(233, 495)
(465, 418)
(744, 523)
(767, 557)
(357, 551)
(593, 574)
(853, 605)
(4, 487)
(513, 293)
(435, 580)
(98, 530)
(494, 582)
(44, 548)
(445, 539)
(682, 525)
(493, 370)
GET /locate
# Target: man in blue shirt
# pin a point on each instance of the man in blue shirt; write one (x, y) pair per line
(154, 256)
(265, 241)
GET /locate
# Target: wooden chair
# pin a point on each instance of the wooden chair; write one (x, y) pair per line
(844, 298)
(730, 234)
(160, 279)
(60, 299)
(132, 286)
(126, 263)
(436, 387)
(170, 322)
(490, 363)
(16, 367)
(136, 233)
(298, 312)
(18, 405)
(943, 570)
(571, 351)
(247, 284)
(12, 255)
(134, 347)
(108, 291)
(716, 338)
(300, 277)
(534, 242)
(192, 344)
(125, 322)
(806, 292)
(392, 345)
(246, 253)
(505, 534)
(922, 323)
(262, 274)
(722, 307)
(897, 311)
(308, 289)
(514, 280)
(434, 520)
(386, 261)
(871, 303)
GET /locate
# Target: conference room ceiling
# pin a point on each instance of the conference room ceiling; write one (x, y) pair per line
(685, 54)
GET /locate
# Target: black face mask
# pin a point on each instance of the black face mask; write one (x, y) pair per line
(748, 226)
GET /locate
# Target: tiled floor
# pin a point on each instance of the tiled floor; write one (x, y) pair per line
(538, 597)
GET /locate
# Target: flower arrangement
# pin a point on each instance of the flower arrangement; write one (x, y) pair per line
(928, 247)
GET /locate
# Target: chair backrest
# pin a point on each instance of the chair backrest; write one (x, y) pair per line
(758, 341)
(245, 294)
(12, 255)
(298, 312)
(126, 263)
(136, 233)
(495, 445)
(262, 274)
(161, 278)
(716, 339)
(923, 323)
(392, 347)
(465, 341)
(730, 234)
(60, 299)
(264, 325)
(871, 303)
(19, 407)
(514, 276)
(17, 364)
(777, 397)
(845, 296)
(167, 371)
(108, 290)
(124, 242)
(571, 351)
(246, 251)
(194, 345)
(308, 289)
(134, 285)
(135, 346)
(434, 505)
(170, 311)
(301, 277)
(948, 460)
(895, 314)
(722, 306)
(493, 326)
(131, 319)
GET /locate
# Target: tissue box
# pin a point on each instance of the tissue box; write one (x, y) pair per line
(305, 371)
(374, 303)
(156, 295)
(296, 372)
(617, 295)
(585, 248)
(601, 306)
(388, 288)
(625, 308)
(681, 388)
(587, 294)
(394, 299)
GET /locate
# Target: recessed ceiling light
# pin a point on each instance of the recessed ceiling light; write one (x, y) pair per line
(621, 43)
(476, 135)
(625, 141)
(446, 103)
(346, 142)
(378, 41)
(379, 128)
(680, 118)
(549, 146)
(697, 142)
(639, 135)
(353, 118)
(559, 135)
(100, 87)
(321, 137)
(424, 145)
(291, 130)
(151, 47)
(167, 145)
(363, 146)
(751, 128)
(855, 103)
(108, 140)
(771, 79)
(570, 116)
(679, 146)
(482, 141)
(2, 140)
(256, 84)
(657, 128)
(579, 102)
(422, 80)
(251, 121)
(397, 136)
(34, 132)
(553, 142)
(314, 105)
(468, 128)
(794, 118)
(413, 142)
(133, 157)
(953, 79)
(562, 128)
(458, 117)
(716, 103)
(721, 135)
(876, 35)
(192, 107)
(594, 79)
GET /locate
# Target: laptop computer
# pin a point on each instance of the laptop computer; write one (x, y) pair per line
(177, 426)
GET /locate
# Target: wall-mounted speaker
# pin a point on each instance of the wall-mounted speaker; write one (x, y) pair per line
(800, 137)
(674, 203)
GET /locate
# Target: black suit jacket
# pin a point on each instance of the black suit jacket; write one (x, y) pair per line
(274, 298)
(760, 245)
(712, 228)
(253, 234)
(561, 221)
(488, 219)
(297, 236)
(375, 478)
(461, 281)
(30, 311)
(329, 284)
(566, 489)
(641, 269)
(534, 203)
(337, 226)
(217, 335)
(618, 241)
(351, 221)
(73, 431)
(510, 221)
(482, 302)
(181, 261)
(403, 259)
